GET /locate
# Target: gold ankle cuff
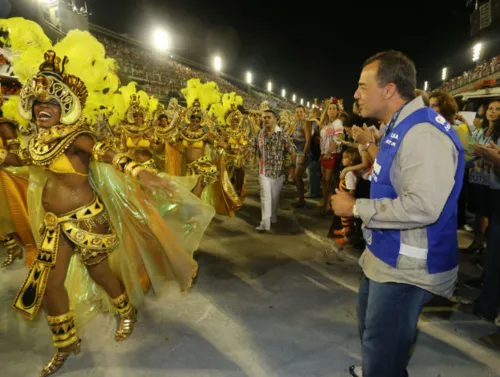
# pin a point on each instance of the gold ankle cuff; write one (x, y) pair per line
(121, 303)
(63, 330)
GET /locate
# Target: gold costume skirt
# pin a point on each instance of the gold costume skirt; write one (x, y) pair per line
(13, 193)
(234, 161)
(91, 248)
(204, 168)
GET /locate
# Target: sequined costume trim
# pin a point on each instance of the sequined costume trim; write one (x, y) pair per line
(205, 168)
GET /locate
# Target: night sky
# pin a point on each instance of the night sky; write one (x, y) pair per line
(308, 49)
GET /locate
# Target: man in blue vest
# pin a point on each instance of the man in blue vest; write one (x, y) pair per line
(410, 220)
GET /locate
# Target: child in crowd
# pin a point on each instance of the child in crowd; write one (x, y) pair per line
(348, 182)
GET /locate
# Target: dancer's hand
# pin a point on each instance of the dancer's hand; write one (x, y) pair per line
(151, 181)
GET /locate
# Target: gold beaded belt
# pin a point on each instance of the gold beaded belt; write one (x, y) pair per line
(30, 296)
(205, 168)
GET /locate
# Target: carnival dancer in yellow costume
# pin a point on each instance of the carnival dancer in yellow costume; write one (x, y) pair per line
(165, 133)
(201, 147)
(103, 240)
(235, 130)
(14, 221)
(134, 131)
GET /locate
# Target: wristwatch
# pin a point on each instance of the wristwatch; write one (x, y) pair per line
(367, 145)
(355, 211)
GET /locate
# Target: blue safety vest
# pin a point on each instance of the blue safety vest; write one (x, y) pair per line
(442, 235)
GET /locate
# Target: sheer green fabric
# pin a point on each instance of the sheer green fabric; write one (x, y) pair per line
(158, 235)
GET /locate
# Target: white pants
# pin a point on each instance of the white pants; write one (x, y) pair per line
(270, 190)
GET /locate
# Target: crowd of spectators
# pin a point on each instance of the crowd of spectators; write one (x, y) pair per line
(163, 76)
(482, 70)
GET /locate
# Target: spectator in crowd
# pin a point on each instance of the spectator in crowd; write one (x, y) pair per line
(314, 169)
(302, 139)
(410, 218)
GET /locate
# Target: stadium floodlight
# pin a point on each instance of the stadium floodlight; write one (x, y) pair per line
(161, 40)
(283, 93)
(426, 86)
(476, 52)
(444, 73)
(294, 98)
(217, 63)
(302, 101)
(249, 77)
(269, 86)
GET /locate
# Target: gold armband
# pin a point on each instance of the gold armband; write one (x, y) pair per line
(120, 161)
(130, 167)
(3, 155)
(24, 156)
(100, 149)
(13, 143)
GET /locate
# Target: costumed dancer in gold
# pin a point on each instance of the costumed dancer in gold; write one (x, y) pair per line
(14, 220)
(100, 229)
(201, 146)
(235, 130)
(135, 131)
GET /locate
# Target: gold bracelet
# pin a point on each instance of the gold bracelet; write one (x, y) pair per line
(99, 151)
(138, 169)
(120, 160)
(3, 155)
(129, 167)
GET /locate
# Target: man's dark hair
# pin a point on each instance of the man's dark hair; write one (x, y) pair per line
(397, 68)
(300, 107)
(162, 116)
(272, 112)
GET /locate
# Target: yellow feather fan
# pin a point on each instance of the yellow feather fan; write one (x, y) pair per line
(10, 111)
(207, 94)
(86, 60)
(28, 43)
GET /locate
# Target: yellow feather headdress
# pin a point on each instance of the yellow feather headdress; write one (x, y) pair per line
(199, 97)
(49, 72)
(128, 102)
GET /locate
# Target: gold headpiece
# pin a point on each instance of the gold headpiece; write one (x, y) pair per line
(53, 83)
(194, 110)
(160, 110)
(234, 114)
(134, 108)
(230, 103)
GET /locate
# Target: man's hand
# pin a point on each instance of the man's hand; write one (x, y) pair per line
(302, 160)
(342, 204)
(362, 135)
(151, 181)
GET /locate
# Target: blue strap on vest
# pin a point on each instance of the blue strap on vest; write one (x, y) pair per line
(442, 235)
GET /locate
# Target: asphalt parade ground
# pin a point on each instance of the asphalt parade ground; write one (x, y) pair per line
(264, 305)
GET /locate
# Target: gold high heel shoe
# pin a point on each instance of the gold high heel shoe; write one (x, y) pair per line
(63, 336)
(128, 317)
(59, 359)
(14, 251)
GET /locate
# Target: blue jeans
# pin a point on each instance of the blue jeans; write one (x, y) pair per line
(388, 315)
(488, 301)
(314, 175)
